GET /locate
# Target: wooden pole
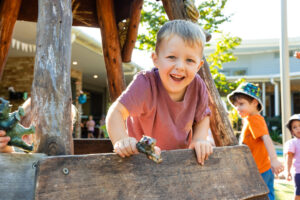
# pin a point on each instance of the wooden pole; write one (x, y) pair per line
(219, 122)
(9, 11)
(111, 47)
(284, 74)
(135, 16)
(51, 88)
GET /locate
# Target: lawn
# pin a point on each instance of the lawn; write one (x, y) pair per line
(284, 190)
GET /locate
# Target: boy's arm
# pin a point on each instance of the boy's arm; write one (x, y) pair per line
(202, 146)
(115, 122)
(276, 166)
(289, 162)
(4, 148)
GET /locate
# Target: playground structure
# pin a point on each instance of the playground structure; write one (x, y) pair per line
(53, 172)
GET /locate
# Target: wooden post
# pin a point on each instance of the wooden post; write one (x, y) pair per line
(134, 22)
(51, 88)
(9, 11)
(111, 47)
(219, 122)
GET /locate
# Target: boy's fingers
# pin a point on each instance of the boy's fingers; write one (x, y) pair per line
(157, 150)
(123, 149)
(2, 133)
(133, 146)
(117, 151)
(4, 141)
(127, 147)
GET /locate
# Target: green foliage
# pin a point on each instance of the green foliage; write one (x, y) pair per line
(274, 127)
(105, 133)
(211, 16)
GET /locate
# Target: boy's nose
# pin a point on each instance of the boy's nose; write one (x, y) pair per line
(179, 65)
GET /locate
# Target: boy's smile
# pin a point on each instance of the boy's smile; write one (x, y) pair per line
(246, 108)
(177, 63)
(295, 127)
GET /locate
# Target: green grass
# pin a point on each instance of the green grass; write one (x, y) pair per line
(284, 190)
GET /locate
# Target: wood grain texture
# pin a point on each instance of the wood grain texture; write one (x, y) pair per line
(230, 173)
(111, 48)
(219, 122)
(51, 88)
(85, 12)
(92, 146)
(135, 16)
(9, 11)
(17, 173)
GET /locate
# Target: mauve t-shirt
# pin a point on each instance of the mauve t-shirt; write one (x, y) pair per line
(153, 113)
(293, 146)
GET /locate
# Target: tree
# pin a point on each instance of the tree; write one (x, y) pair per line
(211, 16)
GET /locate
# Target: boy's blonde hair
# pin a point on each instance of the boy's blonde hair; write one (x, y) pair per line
(190, 32)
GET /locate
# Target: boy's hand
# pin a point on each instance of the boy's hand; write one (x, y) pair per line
(126, 147)
(203, 149)
(288, 176)
(3, 140)
(277, 166)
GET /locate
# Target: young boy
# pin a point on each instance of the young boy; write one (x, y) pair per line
(168, 103)
(246, 100)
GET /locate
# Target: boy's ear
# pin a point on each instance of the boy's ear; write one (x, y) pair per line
(201, 64)
(255, 102)
(154, 58)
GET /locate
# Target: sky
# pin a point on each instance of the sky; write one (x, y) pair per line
(261, 19)
(251, 20)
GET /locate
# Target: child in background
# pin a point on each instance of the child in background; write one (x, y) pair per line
(168, 103)
(292, 150)
(90, 124)
(246, 100)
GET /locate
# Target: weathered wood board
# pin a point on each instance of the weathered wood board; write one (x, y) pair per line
(17, 173)
(92, 146)
(230, 173)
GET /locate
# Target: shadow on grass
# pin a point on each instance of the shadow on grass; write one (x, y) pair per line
(284, 190)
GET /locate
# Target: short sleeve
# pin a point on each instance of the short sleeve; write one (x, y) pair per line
(257, 126)
(202, 109)
(135, 96)
(289, 147)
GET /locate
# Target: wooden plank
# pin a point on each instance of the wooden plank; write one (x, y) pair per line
(17, 175)
(92, 146)
(9, 11)
(111, 47)
(219, 123)
(84, 11)
(51, 88)
(229, 173)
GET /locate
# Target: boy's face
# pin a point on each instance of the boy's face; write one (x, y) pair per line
(245, 108)
(177, 63)
(295, 128)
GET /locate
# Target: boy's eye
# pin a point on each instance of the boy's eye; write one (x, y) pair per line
(171, 57)
(190, 60)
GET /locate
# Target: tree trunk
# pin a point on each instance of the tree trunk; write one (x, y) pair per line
(9, 11)
(111, 47)
(135, 16)
(219, 122)
(51, 88)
